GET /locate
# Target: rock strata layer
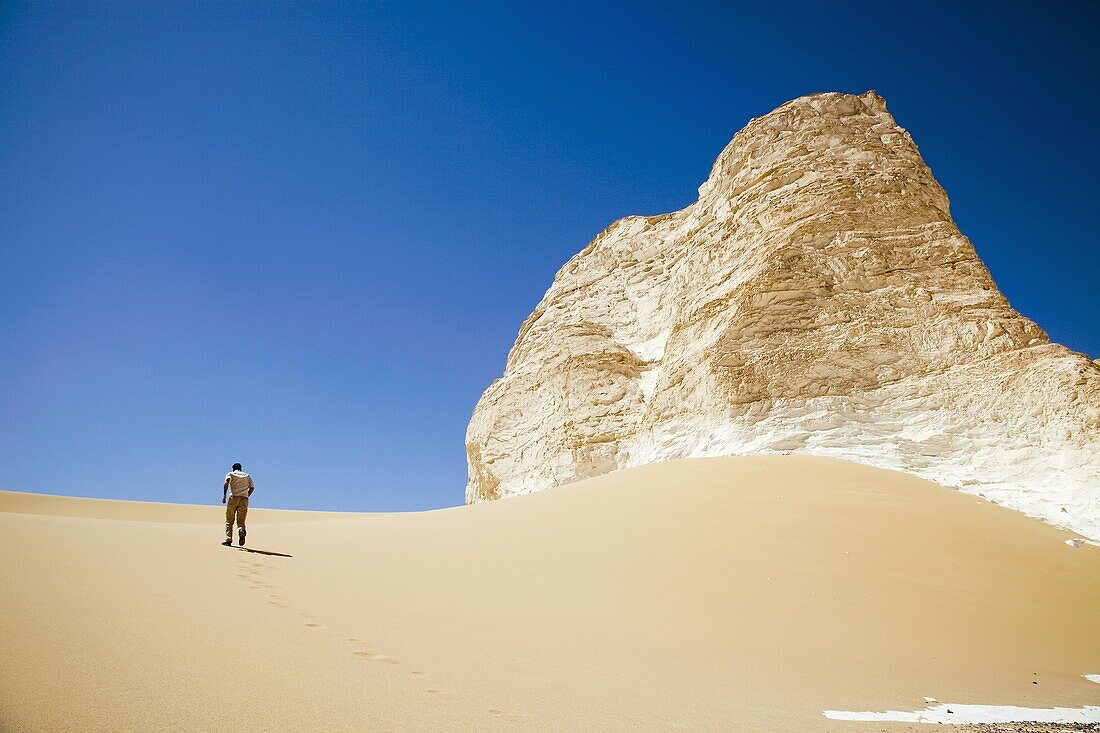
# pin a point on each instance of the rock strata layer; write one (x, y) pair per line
(817, 298)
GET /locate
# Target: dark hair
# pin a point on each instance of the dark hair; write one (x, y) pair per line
(236, 467)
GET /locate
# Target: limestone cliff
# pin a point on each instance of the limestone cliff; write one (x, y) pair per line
(817, 298)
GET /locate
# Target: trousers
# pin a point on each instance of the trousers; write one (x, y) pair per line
(236, 507)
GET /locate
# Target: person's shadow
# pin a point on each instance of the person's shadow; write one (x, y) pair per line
(262, 552)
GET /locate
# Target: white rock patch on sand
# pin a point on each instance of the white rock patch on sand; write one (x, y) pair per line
(965, 714)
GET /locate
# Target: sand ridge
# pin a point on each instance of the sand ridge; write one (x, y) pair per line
(708, 594)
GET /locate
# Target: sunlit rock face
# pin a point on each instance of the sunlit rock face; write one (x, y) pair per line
(817, 298)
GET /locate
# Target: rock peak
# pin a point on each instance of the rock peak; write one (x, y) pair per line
(817, 298)
(850, 141)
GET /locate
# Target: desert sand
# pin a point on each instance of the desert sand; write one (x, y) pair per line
(724, 594)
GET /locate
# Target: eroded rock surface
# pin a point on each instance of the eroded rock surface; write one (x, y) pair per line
(817, 298)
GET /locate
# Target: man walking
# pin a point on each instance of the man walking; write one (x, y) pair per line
(240, 483)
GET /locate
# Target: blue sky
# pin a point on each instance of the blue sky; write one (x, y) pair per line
(303, 236)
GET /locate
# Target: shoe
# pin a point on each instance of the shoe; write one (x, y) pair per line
(240, 538)
(228, 542)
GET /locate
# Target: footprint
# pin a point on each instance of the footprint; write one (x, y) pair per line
(314, 626)
(370, 657)
(353, 640)
(419, 674)
(505, 716)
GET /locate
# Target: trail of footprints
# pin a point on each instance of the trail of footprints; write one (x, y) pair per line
(252, 573)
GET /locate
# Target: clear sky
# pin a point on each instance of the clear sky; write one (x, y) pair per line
(304, 236)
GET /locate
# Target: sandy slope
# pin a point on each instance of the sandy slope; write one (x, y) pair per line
(716, 594)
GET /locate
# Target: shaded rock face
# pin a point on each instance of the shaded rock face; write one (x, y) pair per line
(817, 298)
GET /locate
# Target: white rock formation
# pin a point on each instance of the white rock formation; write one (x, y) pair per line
(817, 298)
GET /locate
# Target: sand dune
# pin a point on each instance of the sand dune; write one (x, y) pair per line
(732, 594)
